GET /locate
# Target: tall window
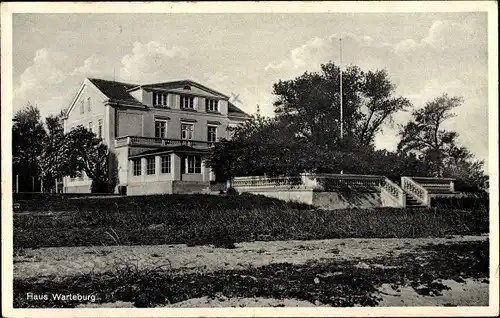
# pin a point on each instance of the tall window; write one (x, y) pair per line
(89, 104)
(150, 166)
(137, 167)
(91, 126)
(99, 128)
(212, 133)
(82, 107)
(193, 164)
(160, 128)
(160, 99)
(187, 102)
(212, 105)
(165, 164)
(187, 131)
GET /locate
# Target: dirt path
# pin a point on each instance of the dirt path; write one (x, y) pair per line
(349, 272)
(71, 261)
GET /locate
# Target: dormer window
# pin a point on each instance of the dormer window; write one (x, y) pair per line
(187, 102)
(212, 105)
(160, 99)
(187, 87)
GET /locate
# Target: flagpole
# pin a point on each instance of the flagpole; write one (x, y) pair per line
(341, 101)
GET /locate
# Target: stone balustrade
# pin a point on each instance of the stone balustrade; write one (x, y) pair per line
(139, 140)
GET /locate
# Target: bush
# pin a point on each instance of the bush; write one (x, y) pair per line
(231, 191)
(225, 220)
(472, 201)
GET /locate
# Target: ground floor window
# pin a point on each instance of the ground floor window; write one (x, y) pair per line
(137, 167)
(150, 166)
(165, 164)
(193, 164)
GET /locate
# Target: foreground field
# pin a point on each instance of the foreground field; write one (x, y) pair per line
(221, 221)
(244, 250)
(450, 271)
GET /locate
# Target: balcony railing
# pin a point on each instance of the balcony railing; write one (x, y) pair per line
(148, 141)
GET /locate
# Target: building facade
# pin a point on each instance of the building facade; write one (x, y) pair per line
(159, 134)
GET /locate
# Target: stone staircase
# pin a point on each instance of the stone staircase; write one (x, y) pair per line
(412, 202)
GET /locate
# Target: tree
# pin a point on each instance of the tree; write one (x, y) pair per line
(52, 157)
(304, 135)
(462, 165)
(84, 152)
(28, 135)
(423, 134)
(312, 103)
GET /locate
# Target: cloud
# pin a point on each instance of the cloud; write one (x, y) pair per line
(40, 81)
(152, 62)
(93, 66)
(218, 81)
(446, 35)
(320, 50)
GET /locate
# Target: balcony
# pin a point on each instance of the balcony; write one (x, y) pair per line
(152, 141)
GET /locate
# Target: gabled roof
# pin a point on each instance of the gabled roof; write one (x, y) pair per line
(119, 92)
(116, 91)
(181, 83)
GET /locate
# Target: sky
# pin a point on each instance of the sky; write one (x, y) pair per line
(425, 54)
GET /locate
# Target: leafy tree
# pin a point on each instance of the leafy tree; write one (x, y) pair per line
(28, 135)
(394, 165)
(312, 103)
(52, 158)
(462, 165)
(304, 135)
(85, 152)
(425, 137)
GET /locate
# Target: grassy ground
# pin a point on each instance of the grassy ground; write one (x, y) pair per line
(221, 221)
(340, 283)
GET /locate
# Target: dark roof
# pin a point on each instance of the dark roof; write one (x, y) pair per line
(232, 109)
(167, 149)
(116, 91)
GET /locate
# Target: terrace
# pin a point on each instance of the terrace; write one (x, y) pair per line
(151, 141)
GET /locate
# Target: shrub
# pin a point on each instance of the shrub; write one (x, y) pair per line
(225, 220)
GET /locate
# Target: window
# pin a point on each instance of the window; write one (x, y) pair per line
(82, 107)
(160, 99)
(150, 166)
(89, 104)
(137, 167)
(212, 133)
(193, 164)
(165, 164)
(90, 126)
(211, 105)
(99, 128)
(160, 129)
(187, 131)
(187, 102)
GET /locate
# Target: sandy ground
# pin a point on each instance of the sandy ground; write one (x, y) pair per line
(69, 261)
(53, 263)
(470, 293)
